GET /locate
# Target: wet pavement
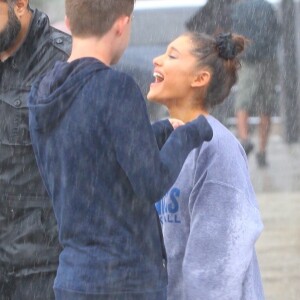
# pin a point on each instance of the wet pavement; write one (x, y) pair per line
(278, 192)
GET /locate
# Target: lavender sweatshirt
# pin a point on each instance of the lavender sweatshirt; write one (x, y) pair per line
(211, 222)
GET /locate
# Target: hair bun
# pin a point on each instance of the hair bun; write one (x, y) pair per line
(226, 46)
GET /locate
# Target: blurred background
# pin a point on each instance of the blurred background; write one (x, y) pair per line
(278, 185)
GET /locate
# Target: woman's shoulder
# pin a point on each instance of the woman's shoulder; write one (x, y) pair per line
(223, 139)
(223, 151)
(222, 159)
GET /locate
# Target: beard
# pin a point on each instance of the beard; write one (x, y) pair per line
(9, 34)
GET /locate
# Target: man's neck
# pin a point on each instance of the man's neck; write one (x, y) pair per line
(99, 48)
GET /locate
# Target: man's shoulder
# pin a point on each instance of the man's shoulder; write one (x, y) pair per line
(249, 8)
(43, 35)
(60, 40)
(121, 77)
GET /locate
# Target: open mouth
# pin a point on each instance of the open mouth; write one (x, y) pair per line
(158, 77)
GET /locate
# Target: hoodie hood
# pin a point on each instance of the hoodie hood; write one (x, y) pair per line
(52, 94)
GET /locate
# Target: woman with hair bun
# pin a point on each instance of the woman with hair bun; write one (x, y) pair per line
(210, 217)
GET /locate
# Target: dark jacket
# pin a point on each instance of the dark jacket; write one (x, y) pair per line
(213, 18)
(28, 234)
(103, 169)
(257, 21)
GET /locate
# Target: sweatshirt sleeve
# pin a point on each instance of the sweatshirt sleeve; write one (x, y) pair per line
(150, 171)
(162, 130)
(223, 229)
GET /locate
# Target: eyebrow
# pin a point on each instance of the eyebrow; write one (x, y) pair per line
(175, 49)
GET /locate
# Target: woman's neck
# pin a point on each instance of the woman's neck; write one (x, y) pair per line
(186, 114)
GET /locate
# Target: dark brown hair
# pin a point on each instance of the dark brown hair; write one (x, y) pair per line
(219, 55)
(95, 17)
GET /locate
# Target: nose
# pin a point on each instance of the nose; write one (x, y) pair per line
(157, 61)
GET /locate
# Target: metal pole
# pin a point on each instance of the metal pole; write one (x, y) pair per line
(290, 74)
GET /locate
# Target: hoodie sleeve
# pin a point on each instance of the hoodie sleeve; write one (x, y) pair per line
(223, 229)
(151, 172)
(162, 130)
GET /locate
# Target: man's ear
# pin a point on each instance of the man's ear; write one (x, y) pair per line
(121, 24)
(21, 7)
(67, 23)
(201, 79)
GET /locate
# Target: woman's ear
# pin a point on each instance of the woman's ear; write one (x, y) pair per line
(201, 79)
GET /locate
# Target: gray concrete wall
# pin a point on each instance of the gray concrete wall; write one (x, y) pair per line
(54, 8)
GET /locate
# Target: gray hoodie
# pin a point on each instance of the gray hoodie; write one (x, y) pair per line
(211, 222)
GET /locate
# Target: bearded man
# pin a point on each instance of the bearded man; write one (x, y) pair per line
(29, 246)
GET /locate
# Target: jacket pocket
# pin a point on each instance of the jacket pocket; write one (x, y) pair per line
(29, 238)
(14, 123)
